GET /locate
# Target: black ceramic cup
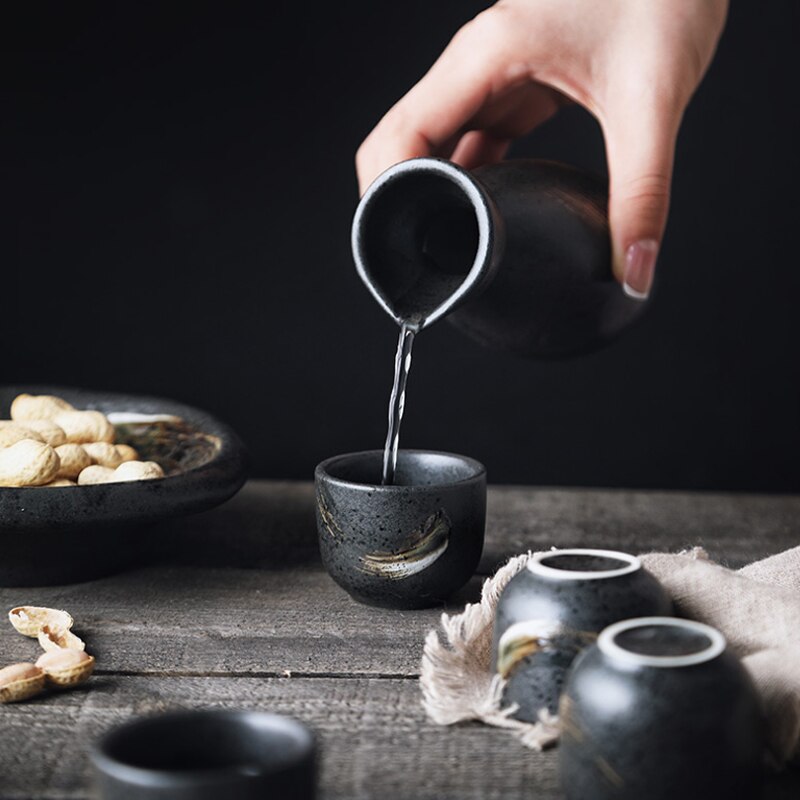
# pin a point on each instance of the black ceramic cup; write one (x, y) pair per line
(554, 608)
(659, 708)
(408, 545)
(206, 755)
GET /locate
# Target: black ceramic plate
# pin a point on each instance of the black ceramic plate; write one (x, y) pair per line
(66, 534)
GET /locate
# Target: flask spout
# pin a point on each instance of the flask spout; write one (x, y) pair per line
(425, 239)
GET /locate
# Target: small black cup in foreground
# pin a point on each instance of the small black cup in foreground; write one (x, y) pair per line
(660, 709)
(408, 545)
(199, 755)
(554, 608)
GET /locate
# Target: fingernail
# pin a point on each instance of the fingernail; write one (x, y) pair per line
(640, 264)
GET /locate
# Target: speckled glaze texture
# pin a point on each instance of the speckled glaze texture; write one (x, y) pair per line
(516, 254)
(206, 755)
(69, 534)
(575, 610)
(409, 545)
(633, 731)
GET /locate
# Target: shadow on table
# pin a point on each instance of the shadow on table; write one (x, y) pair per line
(263, 527)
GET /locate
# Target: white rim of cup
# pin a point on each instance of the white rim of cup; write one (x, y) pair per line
(632, 563)
(608, 645)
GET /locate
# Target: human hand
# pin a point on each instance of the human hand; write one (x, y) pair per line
(634, 64)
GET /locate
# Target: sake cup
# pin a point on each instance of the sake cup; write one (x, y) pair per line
(659, 708)
(554, 608)
(407, 545)
(206, 755)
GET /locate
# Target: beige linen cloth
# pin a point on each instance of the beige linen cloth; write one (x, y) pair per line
(757, 608)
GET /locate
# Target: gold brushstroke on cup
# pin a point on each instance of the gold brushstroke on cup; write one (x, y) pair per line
(327, 517)
(421, 548)
(609, 773)
(533, 636)
(566, 719)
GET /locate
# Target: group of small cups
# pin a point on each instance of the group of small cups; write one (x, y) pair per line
(650, 705)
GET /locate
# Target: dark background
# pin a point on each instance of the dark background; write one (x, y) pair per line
(181, 188)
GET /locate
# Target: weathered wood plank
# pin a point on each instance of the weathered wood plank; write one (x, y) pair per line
(267, 525)
(274, 609)
(288, 615)
(271, 524)
(374, 736)
(735, 529)
(182, 620)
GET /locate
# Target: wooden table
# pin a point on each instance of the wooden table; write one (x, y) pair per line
(242, 615)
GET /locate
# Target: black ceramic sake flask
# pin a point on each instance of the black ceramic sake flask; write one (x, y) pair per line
(516, 254)
(557, 606)
(659, 708)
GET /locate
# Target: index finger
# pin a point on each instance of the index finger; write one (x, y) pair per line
(434, 113)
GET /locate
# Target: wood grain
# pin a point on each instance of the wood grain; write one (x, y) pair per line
(187, 619)
(735, 529)
(180, 620)
(375, 740)
(374, 737)
(270, 525)
(240, 601)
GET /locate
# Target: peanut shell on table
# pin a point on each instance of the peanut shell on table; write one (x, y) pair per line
(66, 667)
(20, 681)
(58, 639)
(29, 620)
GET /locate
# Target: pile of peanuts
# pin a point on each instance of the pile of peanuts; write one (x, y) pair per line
(63, 664)
(48, 442)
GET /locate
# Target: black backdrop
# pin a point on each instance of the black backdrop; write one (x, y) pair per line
(181, 191)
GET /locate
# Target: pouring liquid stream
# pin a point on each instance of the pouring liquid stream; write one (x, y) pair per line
(397, 399)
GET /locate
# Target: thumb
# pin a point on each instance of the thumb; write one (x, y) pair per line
(640, 150)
